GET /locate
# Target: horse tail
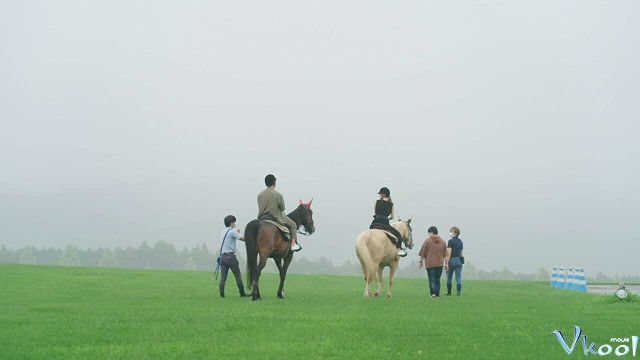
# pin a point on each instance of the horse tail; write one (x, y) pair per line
(364, 255)
(251, 243)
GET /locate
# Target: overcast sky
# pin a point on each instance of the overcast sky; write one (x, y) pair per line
(518, 122)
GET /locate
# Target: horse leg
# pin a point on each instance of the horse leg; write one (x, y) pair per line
(364, 271)
(380, 284)
(368, 280)
(283, 273)
(394, 267)
(256, 289)
(279, 265)
(367, 292)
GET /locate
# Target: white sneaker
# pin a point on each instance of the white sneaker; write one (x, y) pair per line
(296, 247)
(402, 253)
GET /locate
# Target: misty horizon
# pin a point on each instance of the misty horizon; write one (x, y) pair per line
(129, 122)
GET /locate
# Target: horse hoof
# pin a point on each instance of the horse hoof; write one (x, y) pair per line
(281, 296)
(376, 294)
(389, 295)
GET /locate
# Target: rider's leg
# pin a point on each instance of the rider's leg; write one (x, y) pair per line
(395, 232)
(293, 230)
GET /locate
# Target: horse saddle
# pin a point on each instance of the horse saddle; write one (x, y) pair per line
(283, 229)
(393, 238)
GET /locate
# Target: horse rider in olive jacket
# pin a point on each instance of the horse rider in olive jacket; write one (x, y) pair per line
(271, 202)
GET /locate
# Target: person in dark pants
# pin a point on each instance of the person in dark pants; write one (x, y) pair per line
(384, 211)
(434, 253)
(228, 258)
(454, 248)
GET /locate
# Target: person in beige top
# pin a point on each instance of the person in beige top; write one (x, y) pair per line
(271, 202)
(434, 253)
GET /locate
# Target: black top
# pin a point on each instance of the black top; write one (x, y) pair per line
(456, 247)
(383, 208)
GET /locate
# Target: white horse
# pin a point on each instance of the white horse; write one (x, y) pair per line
(376, 251)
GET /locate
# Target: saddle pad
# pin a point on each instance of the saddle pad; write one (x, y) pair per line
(391, 237)
(282, 228)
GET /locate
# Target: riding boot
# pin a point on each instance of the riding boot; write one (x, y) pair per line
(397, 235)
(448, 290)
(398, 242)
(401, 252)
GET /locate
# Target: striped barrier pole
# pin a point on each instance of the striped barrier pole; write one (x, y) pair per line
(562, 278)
(554, 277)
(580, 283)
(570, 278)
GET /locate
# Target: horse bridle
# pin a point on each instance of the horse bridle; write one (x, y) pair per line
(306, 215)
(410, 232)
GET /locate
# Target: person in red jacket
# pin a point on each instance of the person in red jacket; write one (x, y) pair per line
(434, 254)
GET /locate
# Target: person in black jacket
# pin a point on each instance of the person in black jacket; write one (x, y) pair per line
(384, 211)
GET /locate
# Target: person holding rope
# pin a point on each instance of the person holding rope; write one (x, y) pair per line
(228, 258)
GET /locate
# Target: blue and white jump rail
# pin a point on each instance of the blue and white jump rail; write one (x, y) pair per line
(568, 278)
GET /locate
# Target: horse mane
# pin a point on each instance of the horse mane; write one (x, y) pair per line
(297, 214)
(403, 230)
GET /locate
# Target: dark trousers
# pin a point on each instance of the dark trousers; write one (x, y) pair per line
(229, 261)
(397, 234)
(382, 222)
(434, 273)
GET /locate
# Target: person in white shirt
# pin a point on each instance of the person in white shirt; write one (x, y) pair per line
(228, 258)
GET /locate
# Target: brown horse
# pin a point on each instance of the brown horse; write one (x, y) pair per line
(265, 239)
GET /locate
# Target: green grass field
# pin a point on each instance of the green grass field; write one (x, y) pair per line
(93, 313)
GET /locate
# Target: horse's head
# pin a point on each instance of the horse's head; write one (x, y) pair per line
(307, 217)
(404, 227)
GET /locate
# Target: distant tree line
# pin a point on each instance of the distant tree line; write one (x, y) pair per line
(163, 255)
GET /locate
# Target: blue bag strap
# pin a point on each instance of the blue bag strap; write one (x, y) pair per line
(223, 239)
(215, 273)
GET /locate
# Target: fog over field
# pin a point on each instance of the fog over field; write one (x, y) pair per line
(518, 122)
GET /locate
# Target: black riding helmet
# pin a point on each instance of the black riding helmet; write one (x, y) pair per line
(385, 191)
